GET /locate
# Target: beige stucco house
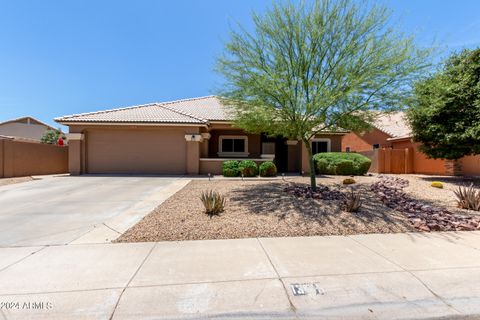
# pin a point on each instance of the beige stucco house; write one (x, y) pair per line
(190, 136)
(25, 127)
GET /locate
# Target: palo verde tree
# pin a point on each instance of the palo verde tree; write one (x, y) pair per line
(307, 69)
(445, 110)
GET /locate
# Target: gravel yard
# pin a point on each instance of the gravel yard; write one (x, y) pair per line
(263, 209)
(419, 187)
(5, 181)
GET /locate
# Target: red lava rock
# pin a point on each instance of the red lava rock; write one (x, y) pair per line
(322, 192)
(424, 228)
(422, 216)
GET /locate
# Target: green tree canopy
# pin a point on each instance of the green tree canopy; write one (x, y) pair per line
(50, 136)
(445, 113)
(306, 69)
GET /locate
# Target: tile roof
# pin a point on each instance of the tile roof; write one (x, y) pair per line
(209, 108)
(394, 124)
(191, 111)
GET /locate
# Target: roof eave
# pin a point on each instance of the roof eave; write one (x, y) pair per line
(400, 138)
(106, 123)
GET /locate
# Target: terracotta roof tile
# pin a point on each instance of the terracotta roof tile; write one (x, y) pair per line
(148, 113)
(196, 111)
(209, 108)
(394, 124)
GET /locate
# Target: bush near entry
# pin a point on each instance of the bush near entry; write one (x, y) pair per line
(248, 167)
(268, 169)
(231, 168)
(341, 163)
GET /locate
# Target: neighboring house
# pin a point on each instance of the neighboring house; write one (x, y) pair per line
(420, 163)
(392, 133)
(25, 127)
(385, 127)
(189, 136)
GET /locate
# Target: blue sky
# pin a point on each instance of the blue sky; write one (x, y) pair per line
(64, 57)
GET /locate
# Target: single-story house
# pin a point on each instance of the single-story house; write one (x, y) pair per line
(189, 136)
(24, 127)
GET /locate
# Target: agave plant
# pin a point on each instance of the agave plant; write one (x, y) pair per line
(352, 201)
(468, 198)
(213, 202)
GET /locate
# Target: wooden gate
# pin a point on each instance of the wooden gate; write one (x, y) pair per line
(395, 160)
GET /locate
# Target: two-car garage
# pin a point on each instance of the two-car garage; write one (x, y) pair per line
(135, 150)
(152, 138)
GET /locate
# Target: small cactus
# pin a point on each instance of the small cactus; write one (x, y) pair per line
(352, 202)
(349, 181)
(468, 198)
(213, 202)
(437, 184)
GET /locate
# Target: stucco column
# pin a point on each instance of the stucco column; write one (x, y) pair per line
(75, 153)
(204, 145)
(193, 152)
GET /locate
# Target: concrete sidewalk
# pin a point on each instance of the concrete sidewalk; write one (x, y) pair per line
(392, 276)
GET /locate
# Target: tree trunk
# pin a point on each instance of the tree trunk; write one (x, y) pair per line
(313, 179)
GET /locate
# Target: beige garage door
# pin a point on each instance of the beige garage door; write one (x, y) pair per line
(136, 151)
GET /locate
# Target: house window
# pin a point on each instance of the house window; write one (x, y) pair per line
(233, 146)
(376, 146)
(320, 145)
(347, 149)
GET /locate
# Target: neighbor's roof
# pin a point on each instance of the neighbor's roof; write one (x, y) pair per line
(185, 111)
(394, 124)
(27, 117)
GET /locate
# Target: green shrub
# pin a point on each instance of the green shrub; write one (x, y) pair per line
(248, 167)
(345, 168)
(341, 163)
(363, 166)
(231, 168)
(322, 166)
(268, 169)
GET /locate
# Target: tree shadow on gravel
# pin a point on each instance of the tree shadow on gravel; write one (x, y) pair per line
(271, 199)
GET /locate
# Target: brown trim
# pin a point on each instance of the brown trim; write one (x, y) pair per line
(332, 133)
(399, 139)
(220, 122)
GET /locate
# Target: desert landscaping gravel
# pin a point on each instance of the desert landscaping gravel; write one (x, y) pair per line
(263, 209)
(6, 181)
(420, 187)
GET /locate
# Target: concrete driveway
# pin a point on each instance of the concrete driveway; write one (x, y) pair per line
(85, 209)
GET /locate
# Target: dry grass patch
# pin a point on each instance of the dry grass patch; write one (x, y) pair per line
(264, 209)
